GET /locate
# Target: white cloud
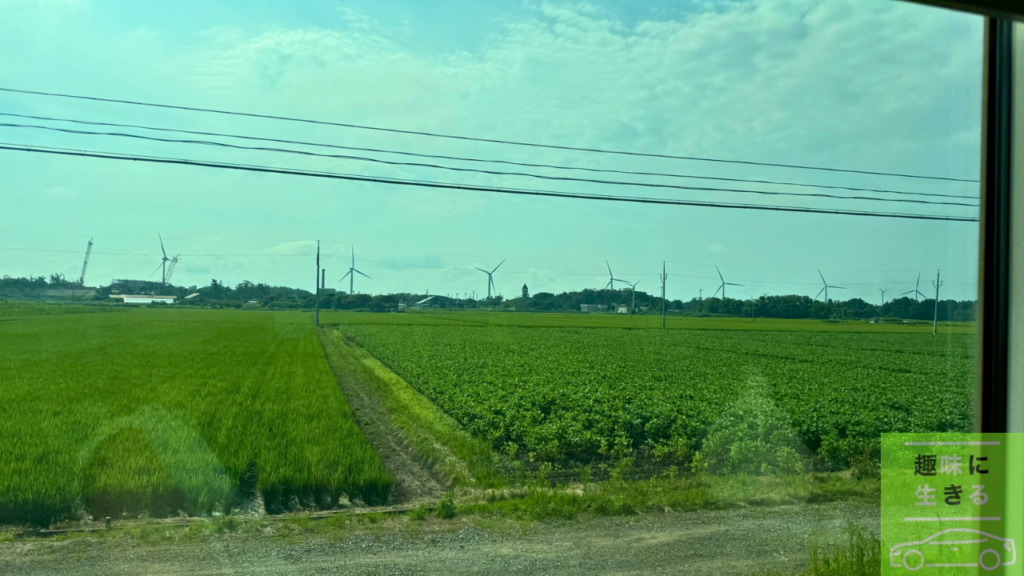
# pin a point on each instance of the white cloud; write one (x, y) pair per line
(860, 83)
(42, 4)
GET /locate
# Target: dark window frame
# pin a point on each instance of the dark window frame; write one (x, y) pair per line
(996, 193)
(1002, 9)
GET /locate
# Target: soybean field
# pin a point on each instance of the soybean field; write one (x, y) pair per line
(575, 394)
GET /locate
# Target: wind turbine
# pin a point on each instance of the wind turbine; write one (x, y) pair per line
(724, 284)
(164, 261)
(611, 278)
(916, 291)
(700, 294)
(883, 294)
(173, 266)
(351, 274)
(826, 287)
(490, 277)
(632, 289)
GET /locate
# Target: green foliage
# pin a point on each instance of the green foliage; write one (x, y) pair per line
(446, 508)
(753, 436)
(158, 411)
(581, 394)
(420, 512)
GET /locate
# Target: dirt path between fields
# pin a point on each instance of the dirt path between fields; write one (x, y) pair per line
(414, 481)
(720, 542)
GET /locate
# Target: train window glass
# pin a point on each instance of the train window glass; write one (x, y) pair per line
(496, 268)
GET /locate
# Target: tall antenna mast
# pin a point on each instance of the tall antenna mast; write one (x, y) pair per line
(935, 321)
(664, 277)
(88, 250)
(316, 296)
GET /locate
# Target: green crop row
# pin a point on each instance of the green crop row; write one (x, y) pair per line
(579, 394)
(162, 411)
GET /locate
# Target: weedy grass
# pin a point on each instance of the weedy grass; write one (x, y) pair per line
(435, 436)
(666, 493)
(152, 412)
(860, 555)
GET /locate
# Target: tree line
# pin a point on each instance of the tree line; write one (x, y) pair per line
(250, 294)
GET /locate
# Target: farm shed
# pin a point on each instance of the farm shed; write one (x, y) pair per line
(143, 298)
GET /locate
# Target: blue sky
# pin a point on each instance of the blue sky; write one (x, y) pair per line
(865, 84)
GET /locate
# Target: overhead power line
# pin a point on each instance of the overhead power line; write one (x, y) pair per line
(469, 187)
(488, 172)
(477, 139)
(484, 160)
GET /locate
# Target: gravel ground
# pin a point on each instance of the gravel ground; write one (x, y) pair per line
(720, 542)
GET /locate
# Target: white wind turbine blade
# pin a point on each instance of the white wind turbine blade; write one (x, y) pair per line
(482, 270)
(717, 291)
(498, 266)
(838, 287)
(719, 275)
(358, 272)
(345, 276)
(819, 293)
(162, 245)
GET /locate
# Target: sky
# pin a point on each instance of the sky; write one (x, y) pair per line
(870, 85)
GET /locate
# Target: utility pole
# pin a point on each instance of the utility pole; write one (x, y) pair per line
(316, 297)
(664, 277)
(935, 321)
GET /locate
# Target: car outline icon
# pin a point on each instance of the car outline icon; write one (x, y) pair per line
(989, 557)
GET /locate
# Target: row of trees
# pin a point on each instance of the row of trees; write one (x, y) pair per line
(788, 306)
(247, 293)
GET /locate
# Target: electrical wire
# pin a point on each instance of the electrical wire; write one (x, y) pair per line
(469, 187)
(476, 139)
(488, 172)
(482, 160)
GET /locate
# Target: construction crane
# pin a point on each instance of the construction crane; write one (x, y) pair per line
(171, 267)
(88, 250)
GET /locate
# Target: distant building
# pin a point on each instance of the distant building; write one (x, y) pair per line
(252, 304)
(526, 291)
(622, 310)
(401, 305)
(143, 298)
(593, 308)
